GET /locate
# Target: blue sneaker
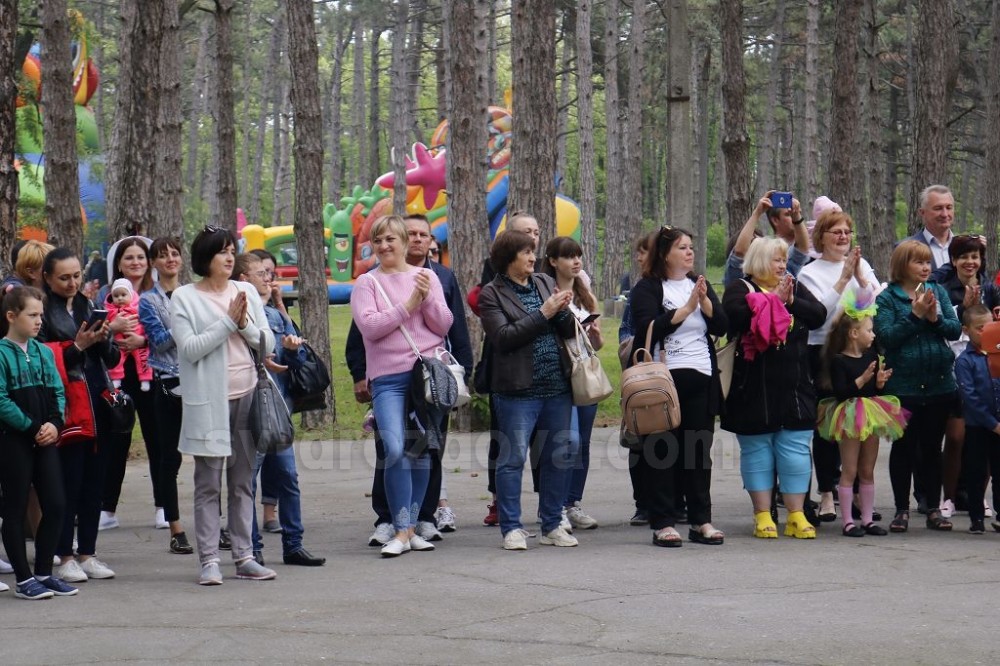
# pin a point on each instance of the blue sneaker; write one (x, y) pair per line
(32, 590)
(59, 587)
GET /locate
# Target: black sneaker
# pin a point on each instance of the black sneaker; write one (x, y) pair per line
(977, 527)
(224, 542)
(640, 517)
(179, 544)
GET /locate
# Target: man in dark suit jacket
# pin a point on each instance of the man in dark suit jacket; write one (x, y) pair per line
(937, 211)
(461, 348)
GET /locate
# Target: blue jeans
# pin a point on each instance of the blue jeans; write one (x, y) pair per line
(552, 418)
(583, 424)
(285, 478)
(786, 450)
(406, 479)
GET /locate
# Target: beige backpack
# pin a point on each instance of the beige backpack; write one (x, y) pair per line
(649, 397)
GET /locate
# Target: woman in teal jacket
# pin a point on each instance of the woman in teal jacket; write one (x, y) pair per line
(914, 323)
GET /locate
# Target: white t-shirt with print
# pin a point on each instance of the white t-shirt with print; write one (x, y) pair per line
(687, 346)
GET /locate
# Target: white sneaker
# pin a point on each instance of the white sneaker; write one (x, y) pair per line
(71, 572)
(579, 519)
(428, 531)
(559, 537)
(419, 543)
(947, 509)
(109, 521)
(395, 547)
(160, 521)
(987, 509)
(445, 518)
(515, 540)
(564, 522)
(382, 534)
(5, 567)
(4, 587)
(210, 574)
(94, 568)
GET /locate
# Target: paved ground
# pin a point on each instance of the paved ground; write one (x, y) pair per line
(918, 598)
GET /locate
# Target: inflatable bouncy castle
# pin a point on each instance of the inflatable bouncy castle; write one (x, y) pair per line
(348, 225)
(29, 142)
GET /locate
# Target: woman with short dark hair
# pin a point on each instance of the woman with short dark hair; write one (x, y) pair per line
(216, 322)
(524, 315)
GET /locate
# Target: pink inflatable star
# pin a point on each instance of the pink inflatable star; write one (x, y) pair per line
(426, 170)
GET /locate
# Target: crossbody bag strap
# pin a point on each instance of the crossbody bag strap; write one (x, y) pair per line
(402, 327)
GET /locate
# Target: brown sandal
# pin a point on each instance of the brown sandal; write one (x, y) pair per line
(935, 521)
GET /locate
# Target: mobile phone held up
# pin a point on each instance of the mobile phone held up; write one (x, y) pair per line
(96, 319)
(781, 199)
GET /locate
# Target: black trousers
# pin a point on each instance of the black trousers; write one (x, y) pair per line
(380, 503)
(680, 461)
(918, 452)
(167, 409)
(118, 444)
(826, 454)
(23, 464)
(980, 457)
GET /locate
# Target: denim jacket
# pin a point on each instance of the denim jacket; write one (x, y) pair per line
(980, 391)
(282, 326)
(154, 315)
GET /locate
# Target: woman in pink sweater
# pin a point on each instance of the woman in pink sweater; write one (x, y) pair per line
(412, 298)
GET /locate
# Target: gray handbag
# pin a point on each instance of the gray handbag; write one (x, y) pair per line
(270, 423)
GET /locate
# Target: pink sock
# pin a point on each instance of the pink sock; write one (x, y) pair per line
(846, 493)
(866, 492)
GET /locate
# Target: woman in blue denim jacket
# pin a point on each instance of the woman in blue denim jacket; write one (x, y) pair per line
(279, 479)
(154, 315)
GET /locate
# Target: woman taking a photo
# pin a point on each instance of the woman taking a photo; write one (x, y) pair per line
(129, 259)
(684, 312)
(87, 353)
(154, 314)
(215, 323)
(838, 268)
(524, 315)
(564, 261)
(914, 323)
(393, 296)
(771, 406)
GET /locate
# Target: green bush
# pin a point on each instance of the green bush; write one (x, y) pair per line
(716, 245)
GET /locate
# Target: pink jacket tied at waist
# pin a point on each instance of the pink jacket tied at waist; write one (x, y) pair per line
(769, 323)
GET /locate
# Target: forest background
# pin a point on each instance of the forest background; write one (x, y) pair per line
(650, 112)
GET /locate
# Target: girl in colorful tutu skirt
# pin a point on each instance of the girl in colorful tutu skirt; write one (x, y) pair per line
(857, 416)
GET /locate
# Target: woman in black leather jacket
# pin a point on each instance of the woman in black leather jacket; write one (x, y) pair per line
(86, 353)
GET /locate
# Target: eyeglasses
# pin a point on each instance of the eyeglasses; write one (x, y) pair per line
(262, 274)
(839, 232)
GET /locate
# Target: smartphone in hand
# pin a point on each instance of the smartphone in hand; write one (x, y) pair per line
(97, 319)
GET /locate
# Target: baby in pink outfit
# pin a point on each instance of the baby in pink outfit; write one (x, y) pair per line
(122, 300)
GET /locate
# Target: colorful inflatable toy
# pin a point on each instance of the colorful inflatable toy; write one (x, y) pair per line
(347, 227)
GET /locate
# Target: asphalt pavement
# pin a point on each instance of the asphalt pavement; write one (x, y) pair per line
(919, 598)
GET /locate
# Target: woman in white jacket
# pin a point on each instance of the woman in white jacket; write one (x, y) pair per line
(215, 322)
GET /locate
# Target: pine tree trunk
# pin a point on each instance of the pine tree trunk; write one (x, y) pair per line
(283, 172)
(811, 129)
(271, 74)
(735, 142)
(358, 132)
(883, 232)
(414, 68)
(305, 99)
(587, 190)
(563, 105)
(615, 222)
(680, 176)
(400, 100)
(336, 178)
(374, 108)
(169, 220)
(131, 185)
(533, 149)
(225, 121)
(767, 157)
(844, 106)
(441, 66)
(990, 183)
(468, 231)
(700, 87)
(632, 149)
(9, 188)
(99, 62)
(198, 104)
(937, 73)
(62, 180)
(492, 92)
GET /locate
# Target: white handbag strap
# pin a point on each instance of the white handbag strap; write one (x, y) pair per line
(583, 347)
(402, 328)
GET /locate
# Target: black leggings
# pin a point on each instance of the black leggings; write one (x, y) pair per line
(23, 464)
(681, 459)
(918, 452)
(980, 456)
(119, 443)
(826, 454)
(168, 421)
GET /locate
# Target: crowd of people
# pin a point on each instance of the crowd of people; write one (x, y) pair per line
(824, 362)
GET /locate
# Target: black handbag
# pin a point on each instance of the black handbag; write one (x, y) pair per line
(308, 382)
(270, 423)
(119, 409)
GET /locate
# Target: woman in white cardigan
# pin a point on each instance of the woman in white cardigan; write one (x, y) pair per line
(215, 321)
